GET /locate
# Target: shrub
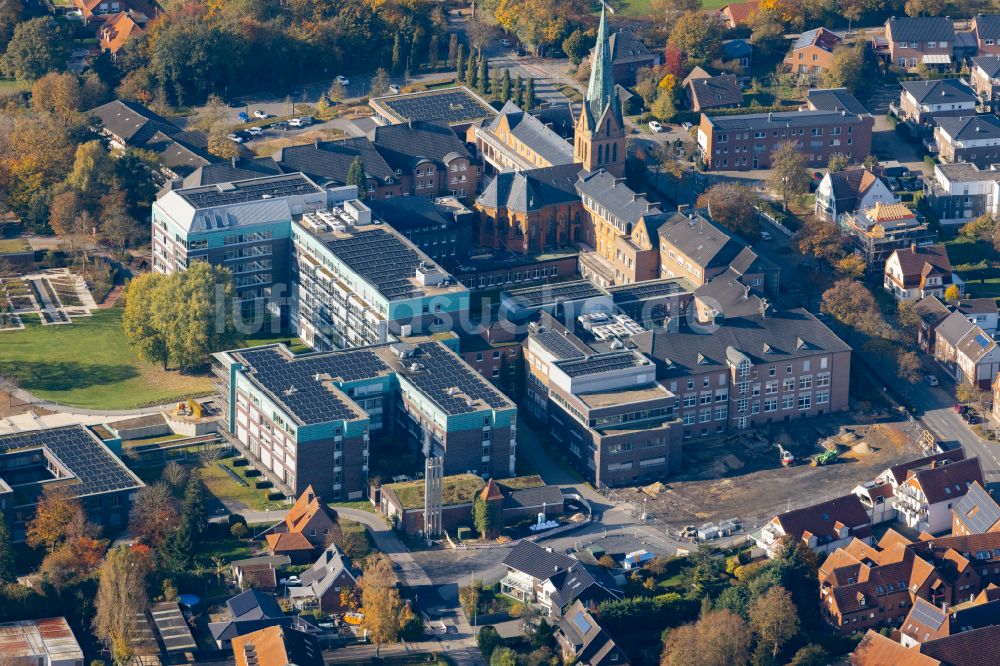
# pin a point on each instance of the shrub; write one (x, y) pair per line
(239, 530)
(647, 613)
(235, 518)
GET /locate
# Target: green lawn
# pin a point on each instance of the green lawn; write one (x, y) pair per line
(11, 245)
(88, 364)
(642, 7)
(977, 263)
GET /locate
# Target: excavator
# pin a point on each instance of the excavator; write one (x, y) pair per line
(787, 459)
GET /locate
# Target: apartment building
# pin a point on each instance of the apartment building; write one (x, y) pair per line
(694, 247)
(923, 102)
(244, 226)
(966, 351)
(875, 233)
(841, 193)
(922, 40)
(986, 29)
(357, 283)
(812, 53)
(972, 139)
(311, 419)
(741, 143)
(985, 79)
(959, 193)
(924, 501)
(917, 272)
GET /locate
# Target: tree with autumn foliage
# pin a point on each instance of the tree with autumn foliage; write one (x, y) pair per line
(58, 515)
(539, 23)
(155, 514)
(77, 558)
(383, 608)
(673, 61)
(122, 600)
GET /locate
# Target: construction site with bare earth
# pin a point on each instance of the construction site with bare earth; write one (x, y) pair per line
(752, 476)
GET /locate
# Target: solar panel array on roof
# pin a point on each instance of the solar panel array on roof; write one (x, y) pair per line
(551, 293)
(443, 371)
(172, 627)
(978, 510)
(927, 615)
(451, 106)
(558, 344)
(643, 290)
(382, 259)
(293, 381)
(596, 364)
(96, 468)
(253, 190)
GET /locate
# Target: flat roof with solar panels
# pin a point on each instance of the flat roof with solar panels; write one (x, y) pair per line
(384, 258)
(244, 191)
(536, 297)
(71, 455)
(306, 385)
(450, 106)
(601, 363)
(641, 291)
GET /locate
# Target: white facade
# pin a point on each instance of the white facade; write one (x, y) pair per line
(826, 204)
(914, 511)
(934, 108)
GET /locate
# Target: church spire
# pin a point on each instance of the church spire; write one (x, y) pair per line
(601, 89)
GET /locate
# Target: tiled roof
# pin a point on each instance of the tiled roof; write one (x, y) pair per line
(976, 344)
(824, 519)
(306, 507)
(972, 306)
(533, 133)
(990, 64)
(700, 239)
(922, 262)
(531, 190)
(946, 483)
(287, 542)
(940, 91)
(970, 128)
(329, 161)
(626, 47)
(835, 99)
(591, 644)
(538, 562)
(849, 186)
(988, 26)
(901, 471)
(931, 310)
(742, 11)
(920, 29)
(978, 647)
(819, 37)
(954, 328)
(533, 497)
(117, 30)
(616, 197)
(716, 91)
(877, 650)
(253, 605)
(406, 145)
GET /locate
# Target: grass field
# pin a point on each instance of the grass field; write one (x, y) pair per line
(977, 263)
(642, 7)
(10, 85)
(88, 364)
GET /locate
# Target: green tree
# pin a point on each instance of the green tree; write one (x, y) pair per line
(91, 167)
(767, 30)
(484, 76)
(459, 63)
(472, 70)
(577, 46)
(837, 163)
(417, 49)
(453, 46)
(847, 67)
(488, 517)
(178, 548)
(193, 504)
(7, 561)
(37, 46)
(488, 640)
(986, 228)
(397, 55)
(432, 52)
(140, 331)
(810, 655)
(663, 108)
(505, 86)
(519, 91)
(697, 35)
(503, 656)
(732, 206)
(356, 176)
(338, 92)
(789, 177)
(529, 95)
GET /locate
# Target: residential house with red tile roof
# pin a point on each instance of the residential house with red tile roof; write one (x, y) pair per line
(812, 53)
(823, 527)
(862, 586)
(118, 29)
(740, 13)
(844, 192)
(878, 650)
(308, 525)
(927, 622)
(277, 646)
(919, 271)
(925, 499)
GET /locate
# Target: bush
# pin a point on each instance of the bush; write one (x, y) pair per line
(647, 613)
(239, 530)
(352, 539)
(235, 518)
(488, 641)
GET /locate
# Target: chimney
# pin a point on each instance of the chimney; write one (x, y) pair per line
(913, 248)
(683, 207)
(233, 161)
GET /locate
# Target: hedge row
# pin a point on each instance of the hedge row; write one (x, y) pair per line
(647, 613)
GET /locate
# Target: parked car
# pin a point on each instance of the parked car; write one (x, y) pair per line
(235, 137)
(291, 580)
(394, 89)
(971, 418)
(280, 125)
(74, 15)
(294, 122)
(687, 126)
(765, 236)
(343, 80)
(306, 120)
(255, 131)
(960, 409)
(932, 380)
(260, 113)
(655, 126)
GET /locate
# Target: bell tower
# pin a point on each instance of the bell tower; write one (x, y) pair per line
(599, 141)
